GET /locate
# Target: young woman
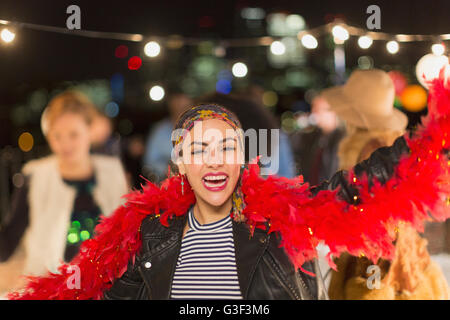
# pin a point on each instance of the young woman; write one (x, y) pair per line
(64, 194)
(215, 230)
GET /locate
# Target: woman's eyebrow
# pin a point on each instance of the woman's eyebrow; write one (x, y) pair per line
(229, 138)
(200, 143)
(205, 144)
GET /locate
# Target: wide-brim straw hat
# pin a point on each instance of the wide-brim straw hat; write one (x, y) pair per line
(366, 100)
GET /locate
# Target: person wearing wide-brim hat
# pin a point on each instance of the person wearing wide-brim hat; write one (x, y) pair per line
(366, 100)
(366, 105)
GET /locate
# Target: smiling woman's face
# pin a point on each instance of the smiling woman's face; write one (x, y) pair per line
(211, 161)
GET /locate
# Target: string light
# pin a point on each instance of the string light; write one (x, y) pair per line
(239, 69)
(152, 49)
(438, 49)
(7, 35)
(392, 47)
(156, 93)
(365, 42)
(277, 48)
(309, 41)
(340, 34)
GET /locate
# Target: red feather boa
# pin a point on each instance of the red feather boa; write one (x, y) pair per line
(421, 183)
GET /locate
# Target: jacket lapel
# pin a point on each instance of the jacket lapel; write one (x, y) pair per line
(248, 251)
(157, 266)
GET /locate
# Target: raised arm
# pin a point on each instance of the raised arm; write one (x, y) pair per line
(380, 166)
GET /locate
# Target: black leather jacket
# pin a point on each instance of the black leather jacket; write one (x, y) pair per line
(264, 269)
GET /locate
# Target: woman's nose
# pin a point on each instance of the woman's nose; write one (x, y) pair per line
(213, 157)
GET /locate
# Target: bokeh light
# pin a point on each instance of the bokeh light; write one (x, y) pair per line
(253, 13)
(340, 34)
(429, 66)
(112, 109)
(26, 142)
(392, 47)
(365, 62)
(7, 35)
(223, 86)
(295, 22)
(121, 51)
(309, 41)
(438, 49)
(18, 180)
(152, 49)
(72, 237)
(270, 98)
(134, 63)
(156, 93)
(76, 224)
(84, 235)
(365, 42)
(239, 69)
(414, 98)
(277, 48)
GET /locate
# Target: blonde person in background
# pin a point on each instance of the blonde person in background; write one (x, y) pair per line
(365, 103)
(63, 196)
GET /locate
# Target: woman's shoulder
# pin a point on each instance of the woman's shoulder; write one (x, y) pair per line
(106, 160)
(107, 166)
(38, 164)
(152, 226)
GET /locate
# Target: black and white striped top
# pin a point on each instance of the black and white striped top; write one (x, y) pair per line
(206, 266)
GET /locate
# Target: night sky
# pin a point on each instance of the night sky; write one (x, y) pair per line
(40, 58)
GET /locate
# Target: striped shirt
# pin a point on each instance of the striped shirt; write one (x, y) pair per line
(206, 266)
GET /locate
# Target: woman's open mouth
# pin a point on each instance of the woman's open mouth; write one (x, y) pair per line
(215, 181)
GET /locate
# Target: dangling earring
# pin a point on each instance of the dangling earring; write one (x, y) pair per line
(182, 185)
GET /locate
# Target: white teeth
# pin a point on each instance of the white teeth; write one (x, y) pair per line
(209, 184)
(211, 178)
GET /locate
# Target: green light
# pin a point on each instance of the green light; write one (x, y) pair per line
(76, 224)
(84, 235)
(72, 238)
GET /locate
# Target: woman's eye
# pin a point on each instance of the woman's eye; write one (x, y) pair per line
(229, 148)
(197, 151)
